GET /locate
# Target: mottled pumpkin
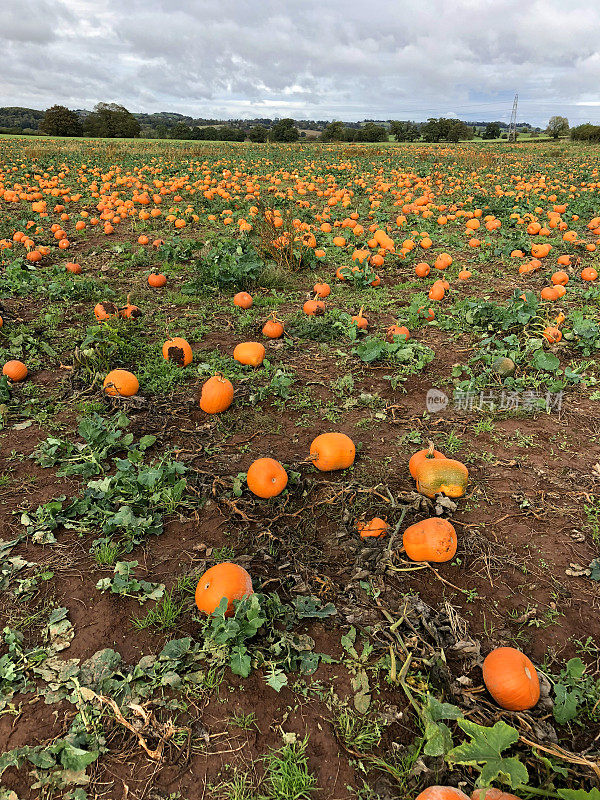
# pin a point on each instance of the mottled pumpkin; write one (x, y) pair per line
(443, 475)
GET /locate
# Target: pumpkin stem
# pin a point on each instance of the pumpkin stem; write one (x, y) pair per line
(430, 449)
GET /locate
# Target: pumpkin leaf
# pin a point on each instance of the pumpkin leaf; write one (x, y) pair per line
(484, 752)
(438, 737)
(578, 794)
(545, 361)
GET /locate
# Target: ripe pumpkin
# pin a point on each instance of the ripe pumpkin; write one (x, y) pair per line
(588, 274)
(464, 275)
(549, 293)
(360, 321)
(121, 382)
(106, 310)
(442, 793)
(492, 794)
(376, 527)
(251, 354)
(15, 370)
(560, 277)
(313, 307)
(441, 475)
(431, 539)
(397, 330)
(422, 269)
(322, 290)
(70, 266)
(266, 478)
(273, 328)
(511, 679)
(223, 580)
(178, 351)
(331, 451)
(422, 455)
(426, 313)
(156, 280)
(216, 395)
(242, 300)
(437, 292)
(553, 335)
(130, 311)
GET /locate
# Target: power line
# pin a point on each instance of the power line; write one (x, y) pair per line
(512, 128)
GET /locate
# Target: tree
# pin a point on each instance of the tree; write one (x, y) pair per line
(370, 132)
(405, 131)
(284, 130)
(257, 133)
(334, 132)
(557, 126)
(110, 121)
(180, 131)
(60, 121)
(458, 131)
(492, 131)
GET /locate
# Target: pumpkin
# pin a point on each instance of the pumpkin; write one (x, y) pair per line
(322, 290)
(1, 322)
(553, 335)
(504, 367)
(360, 321)
(242, 300)
(376, 527)
(560, 278)
(397, 330)
(464, 275)
(492, 794)
(588, 274)
(427, 314)
(443, 475)
(431, 539)
(105, 310)
(216, 395)
(421, 455)
(130, 311)
(442, 793)
(273, 328)
(331, 451)
(224, 580)
(15, 370)
(437, 292)
(266, 478)
(178, 351)
(511, 679)
(156, 280)
(422, 269)
(560, 290)
(121, 382)
(70, 266)
(313, 307)
(251, 354)
(549, 293)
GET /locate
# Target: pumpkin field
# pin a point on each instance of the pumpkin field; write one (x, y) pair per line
(299, 471)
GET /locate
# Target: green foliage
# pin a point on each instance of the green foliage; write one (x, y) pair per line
(484, 752)
(230, 264)
(259, 634)
(574, 692)
(438, 737)
(287, 775)
(125, 583)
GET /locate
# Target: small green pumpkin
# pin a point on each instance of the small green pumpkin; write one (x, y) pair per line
(504, 367)
(445, 475)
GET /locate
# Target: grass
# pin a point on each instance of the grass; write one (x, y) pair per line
(287, 775)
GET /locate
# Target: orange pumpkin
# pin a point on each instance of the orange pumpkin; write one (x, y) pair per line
(464, 275)
(560, 277)
(251, 354)
(242, 300)
(437, 292)
(15, 370)
(422, 269)
(397, 330)
(331, 451)
(156, 280)
(421, 455)
(442, 793)
(273, 328)
(360, 321)
(216, 395)
(443, 475)
(266, 478)
(106, 310)
(492, 794)
(431, 539)
(553, 335)
(511, 679)
(376, 527)
(121, 382)
(313, 307)
(549, 293)
(224, 580)
(178, 351)
(70, 266)
(322, 290)
(588, 274)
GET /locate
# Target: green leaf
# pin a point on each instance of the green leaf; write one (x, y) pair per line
(578, 794)
(240, 661)
(310, 607)
(76, 759)
(276, 679)
(545, 361)
(484, 751)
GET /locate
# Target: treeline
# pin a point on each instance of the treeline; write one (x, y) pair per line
(586, 133)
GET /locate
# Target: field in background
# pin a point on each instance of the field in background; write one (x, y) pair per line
(329, 682)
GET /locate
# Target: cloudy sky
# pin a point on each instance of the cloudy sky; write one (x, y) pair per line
(318, 59)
